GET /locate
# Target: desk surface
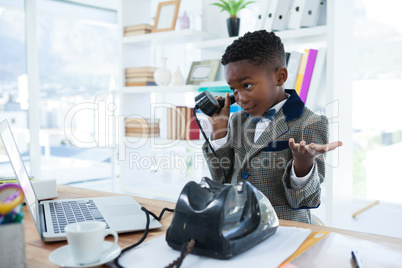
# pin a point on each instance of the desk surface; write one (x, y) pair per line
(37, 252)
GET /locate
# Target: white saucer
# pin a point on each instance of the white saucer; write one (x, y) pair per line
(62, 256)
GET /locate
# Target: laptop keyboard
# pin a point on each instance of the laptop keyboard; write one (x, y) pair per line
(66, 212)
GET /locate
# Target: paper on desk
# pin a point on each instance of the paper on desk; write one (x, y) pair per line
(335, 251)
(269, 253)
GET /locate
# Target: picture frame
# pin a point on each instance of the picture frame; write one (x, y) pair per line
(203, 71)
(166, 16)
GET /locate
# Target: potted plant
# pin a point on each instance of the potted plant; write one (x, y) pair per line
(232, 7)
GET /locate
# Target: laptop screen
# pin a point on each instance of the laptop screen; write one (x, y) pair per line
(19, 170)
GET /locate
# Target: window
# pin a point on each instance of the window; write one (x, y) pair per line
(377, 90)
(78, 54)
(77, 63)
(13, 91)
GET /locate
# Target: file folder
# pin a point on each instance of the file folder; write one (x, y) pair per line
(316, 79)
(322, 13)
(270, 15)
(262, 15)
(278, 15)
(307, 13)
(312, 54)
(295, 14)
(287, 55)
(281, 15)
(302, 69)
(310, 13)
(334, 250)
(293, 69)
(310, 241)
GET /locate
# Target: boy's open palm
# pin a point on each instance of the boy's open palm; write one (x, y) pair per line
(304, 154)
(311, 150)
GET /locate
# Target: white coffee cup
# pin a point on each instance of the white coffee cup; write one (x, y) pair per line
(85, 240)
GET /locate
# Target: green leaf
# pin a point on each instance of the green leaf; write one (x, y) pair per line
(245, 4)
(220, 5)
(232, 6)
(226, 4)
(237, 4)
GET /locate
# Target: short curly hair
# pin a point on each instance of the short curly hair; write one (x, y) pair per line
(261, 48)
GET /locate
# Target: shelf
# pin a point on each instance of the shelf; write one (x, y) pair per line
(217, 89)
(318, 32)
(159, 89)
(216, 44)
(163, 143)
(168, 38)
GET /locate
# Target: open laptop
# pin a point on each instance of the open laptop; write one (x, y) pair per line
(120, 213)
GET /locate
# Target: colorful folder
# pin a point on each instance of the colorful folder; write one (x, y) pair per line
(302, 69)
(312, 55)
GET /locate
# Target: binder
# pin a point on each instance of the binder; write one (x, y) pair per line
(307, 13)
(295, 14)
(312, 54)
(293, 69)
(302, 69)
(287, 55)
(278, 13)
(310, 14)
(262, 14)
(322, 13)
(281, 18)
(269, 19)
(316, 78)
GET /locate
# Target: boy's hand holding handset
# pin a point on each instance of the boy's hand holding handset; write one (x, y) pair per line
(220, 119)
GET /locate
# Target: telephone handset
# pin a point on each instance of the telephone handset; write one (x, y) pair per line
(208, 104)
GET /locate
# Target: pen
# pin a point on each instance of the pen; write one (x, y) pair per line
(356, 259)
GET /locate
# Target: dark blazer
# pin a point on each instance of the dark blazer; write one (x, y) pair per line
(267, 163)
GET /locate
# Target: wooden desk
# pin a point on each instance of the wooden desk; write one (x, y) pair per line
(37, 252)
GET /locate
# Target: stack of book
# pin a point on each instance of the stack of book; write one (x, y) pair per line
(137, 29)
(142, 127)
(182, 124)
(140, 76)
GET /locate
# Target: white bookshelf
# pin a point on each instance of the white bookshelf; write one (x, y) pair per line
(164, 143)
(141, 50)
(312, 34)
(167, 38)
(335, 36)
(159, 89)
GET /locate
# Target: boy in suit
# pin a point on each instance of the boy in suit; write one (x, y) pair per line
(275, 142)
